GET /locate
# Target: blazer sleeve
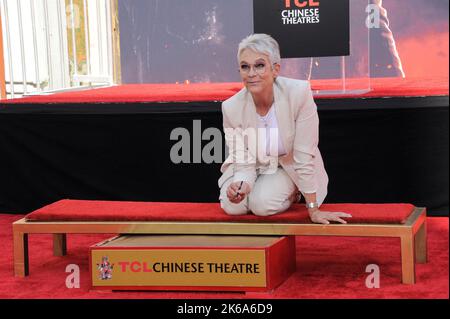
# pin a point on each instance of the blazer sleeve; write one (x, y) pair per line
(243, 162)
(306, 141)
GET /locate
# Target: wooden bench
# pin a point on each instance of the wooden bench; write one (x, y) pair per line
(106, 217)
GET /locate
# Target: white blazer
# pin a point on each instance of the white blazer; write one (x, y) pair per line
(298, 125)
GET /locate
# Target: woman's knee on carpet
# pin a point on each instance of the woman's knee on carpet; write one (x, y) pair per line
(266, 206)
(271, 194)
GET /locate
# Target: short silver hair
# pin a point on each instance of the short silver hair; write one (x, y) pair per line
(261, 43)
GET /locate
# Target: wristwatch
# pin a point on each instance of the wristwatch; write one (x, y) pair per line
(312, 205)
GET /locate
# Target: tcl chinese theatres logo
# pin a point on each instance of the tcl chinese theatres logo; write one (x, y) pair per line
(302, 3)
(302, 12)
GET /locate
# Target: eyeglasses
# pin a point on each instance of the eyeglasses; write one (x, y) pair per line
(260, 68)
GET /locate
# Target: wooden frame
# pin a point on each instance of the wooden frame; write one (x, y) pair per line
(412, 234)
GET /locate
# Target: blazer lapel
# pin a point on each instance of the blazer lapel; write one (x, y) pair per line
(283, 117)
(249, 112)
(250, 122)
(286, 131)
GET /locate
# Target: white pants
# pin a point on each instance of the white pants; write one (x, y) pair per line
(271, 194)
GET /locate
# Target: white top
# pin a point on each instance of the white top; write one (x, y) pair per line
(269, 139)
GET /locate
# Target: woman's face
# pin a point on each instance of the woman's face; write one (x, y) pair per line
(256, 71)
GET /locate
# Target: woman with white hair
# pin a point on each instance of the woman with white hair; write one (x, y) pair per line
(272, 133)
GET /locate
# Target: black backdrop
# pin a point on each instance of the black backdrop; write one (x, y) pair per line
(375, 151)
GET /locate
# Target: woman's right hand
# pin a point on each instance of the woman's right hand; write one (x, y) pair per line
(236, 195)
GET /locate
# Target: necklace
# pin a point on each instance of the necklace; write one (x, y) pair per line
(265, 118)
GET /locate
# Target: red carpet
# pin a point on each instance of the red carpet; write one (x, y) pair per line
(145, 93)
(90, 210)
(327, 267)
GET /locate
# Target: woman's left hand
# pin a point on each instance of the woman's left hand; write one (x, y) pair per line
(321, 217)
